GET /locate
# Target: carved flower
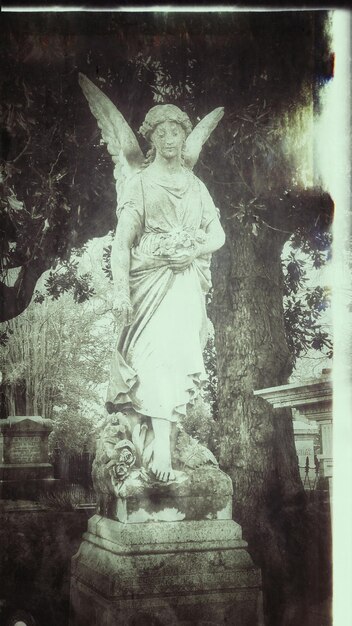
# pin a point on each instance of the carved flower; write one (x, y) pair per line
(120, 471)
(185, 240)
(127, 457)
(123, 460)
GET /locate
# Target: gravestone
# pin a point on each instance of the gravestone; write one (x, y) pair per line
(24, 461)
(170, 555)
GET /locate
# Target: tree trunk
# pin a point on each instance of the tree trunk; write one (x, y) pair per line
(257, 444)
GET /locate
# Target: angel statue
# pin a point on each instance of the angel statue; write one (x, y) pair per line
(167, 229)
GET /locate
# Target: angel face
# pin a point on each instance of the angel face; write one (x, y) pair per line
(168, 139)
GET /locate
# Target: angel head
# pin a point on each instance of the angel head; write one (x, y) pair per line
(122, 143)
(166, 128)
(164, 113)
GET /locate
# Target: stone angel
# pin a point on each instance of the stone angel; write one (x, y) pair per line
(168, 227)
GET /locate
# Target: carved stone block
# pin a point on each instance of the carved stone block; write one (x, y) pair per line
(202, 493)
(164, 573)
(24, 461)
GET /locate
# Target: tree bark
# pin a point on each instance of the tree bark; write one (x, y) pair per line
(257, 443)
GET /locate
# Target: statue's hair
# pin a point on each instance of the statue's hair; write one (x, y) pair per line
(149, 157)
(164, 113)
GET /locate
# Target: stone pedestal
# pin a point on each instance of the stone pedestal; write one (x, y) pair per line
(198, 494)
(24, 463)
(164, 573)
(161, 553)
(167, 554)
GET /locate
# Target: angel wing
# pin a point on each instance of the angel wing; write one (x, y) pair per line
(199, 136)
(116, 133)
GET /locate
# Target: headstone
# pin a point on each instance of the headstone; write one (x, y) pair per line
(168, 555)
(24, 460)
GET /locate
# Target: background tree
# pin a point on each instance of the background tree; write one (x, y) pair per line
(54, 364)
(266, 69)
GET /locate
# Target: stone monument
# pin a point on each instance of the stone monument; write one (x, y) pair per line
(163, 553)
(162, 547)
(312, 401)
(24, 466)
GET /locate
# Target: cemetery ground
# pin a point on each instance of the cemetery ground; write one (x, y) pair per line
(38, 540)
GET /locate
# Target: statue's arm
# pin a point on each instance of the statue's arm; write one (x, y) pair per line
(215, 239)
(120, 266)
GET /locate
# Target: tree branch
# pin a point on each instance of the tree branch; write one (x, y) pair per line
(14, 300)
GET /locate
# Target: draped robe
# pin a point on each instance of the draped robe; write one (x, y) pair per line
(157, 368)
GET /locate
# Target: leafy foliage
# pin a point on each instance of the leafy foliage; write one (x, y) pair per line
(107, 262)
(68, 498)
(211, 387)
(75, 429)
(199, 422)
(294, 274)
(304, 331)
(67, 279)
(304, 306)
(314, 242)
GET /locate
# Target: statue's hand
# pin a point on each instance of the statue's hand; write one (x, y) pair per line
(180, 262)
(123, 310)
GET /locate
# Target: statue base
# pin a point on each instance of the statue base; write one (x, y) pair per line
(164, 573)
(201, 493)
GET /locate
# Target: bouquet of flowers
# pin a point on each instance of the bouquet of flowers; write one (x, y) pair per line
(178, 240)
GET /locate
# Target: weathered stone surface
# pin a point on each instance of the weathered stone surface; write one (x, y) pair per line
(240, 607)
(123, 465)
(24, 439)
(202, 493)
(192, 572)
(165, 537)
(24, 460)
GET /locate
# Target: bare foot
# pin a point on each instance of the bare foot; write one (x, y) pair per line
(161, 464)
(162, 471)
